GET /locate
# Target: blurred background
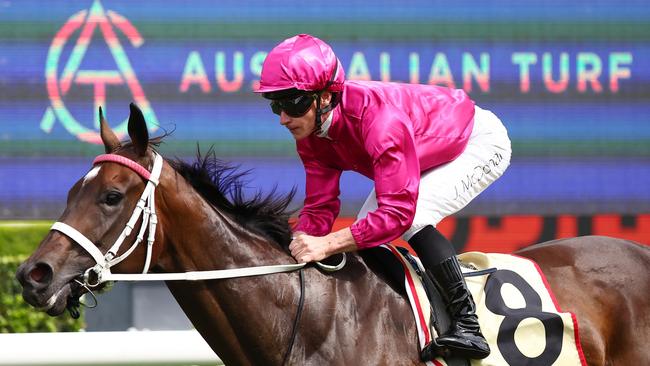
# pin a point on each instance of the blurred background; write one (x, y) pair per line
(568, 79)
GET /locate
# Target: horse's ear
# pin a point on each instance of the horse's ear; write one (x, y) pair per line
(138, 130)
(110, 140)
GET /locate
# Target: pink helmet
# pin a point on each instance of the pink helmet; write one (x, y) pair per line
(302, 62)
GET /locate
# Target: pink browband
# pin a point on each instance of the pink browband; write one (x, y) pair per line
(114, 158)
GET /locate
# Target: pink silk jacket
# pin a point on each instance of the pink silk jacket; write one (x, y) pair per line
(390, 133)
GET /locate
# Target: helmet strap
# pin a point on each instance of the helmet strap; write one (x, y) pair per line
(320, 111)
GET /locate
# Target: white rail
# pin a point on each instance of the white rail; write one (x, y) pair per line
(106, 348)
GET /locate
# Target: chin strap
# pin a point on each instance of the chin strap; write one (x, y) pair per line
(333, 102)
(320, 111)
(319, 114)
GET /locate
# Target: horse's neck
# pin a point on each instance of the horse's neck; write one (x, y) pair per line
(233, 315)
(249, 320)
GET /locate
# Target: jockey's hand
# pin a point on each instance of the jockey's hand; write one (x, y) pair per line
(306, 248)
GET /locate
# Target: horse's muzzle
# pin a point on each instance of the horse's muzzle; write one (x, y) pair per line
(40, 290)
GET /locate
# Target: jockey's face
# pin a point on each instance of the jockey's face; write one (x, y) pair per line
(300, 127)
(303, 126)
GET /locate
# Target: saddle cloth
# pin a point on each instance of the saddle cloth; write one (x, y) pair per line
(519, 315)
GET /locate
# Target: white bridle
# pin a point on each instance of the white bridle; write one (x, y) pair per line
(146, 207)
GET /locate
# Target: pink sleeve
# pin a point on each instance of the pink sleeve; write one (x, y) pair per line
(397, 177)
(322, 202)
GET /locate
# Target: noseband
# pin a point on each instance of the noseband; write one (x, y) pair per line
(101, 272)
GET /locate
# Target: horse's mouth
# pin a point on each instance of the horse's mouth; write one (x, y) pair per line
(66, 297)
(58, 302)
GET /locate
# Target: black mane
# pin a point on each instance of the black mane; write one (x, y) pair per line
(222, 186)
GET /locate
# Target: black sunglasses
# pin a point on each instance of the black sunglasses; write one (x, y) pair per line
(295, 106)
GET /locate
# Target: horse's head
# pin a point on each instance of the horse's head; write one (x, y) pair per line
(99, 206)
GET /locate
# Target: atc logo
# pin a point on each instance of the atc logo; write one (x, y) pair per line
(58, 85)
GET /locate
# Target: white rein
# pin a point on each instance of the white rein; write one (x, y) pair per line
(147, 209)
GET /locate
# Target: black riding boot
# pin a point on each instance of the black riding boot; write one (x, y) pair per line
(464, 338)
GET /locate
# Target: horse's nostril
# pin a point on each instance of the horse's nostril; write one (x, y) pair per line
(41, 273)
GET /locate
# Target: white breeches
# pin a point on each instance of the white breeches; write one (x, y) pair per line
(446, 189)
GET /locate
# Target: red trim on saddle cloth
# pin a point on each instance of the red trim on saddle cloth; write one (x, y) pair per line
(119, 159)
(576, 332)
(576, 335)
(409, 279)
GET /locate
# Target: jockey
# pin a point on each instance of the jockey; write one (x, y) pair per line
(428, 149)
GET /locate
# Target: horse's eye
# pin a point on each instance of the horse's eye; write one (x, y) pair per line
(113, 198)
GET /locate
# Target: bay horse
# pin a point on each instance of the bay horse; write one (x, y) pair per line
(350, 317)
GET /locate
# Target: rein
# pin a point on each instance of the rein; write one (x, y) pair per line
(101, 272)
(294, 329)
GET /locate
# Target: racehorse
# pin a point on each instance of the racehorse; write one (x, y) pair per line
(351, 317)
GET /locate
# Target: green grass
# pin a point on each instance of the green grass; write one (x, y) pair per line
(21, 237)
(18, 239)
